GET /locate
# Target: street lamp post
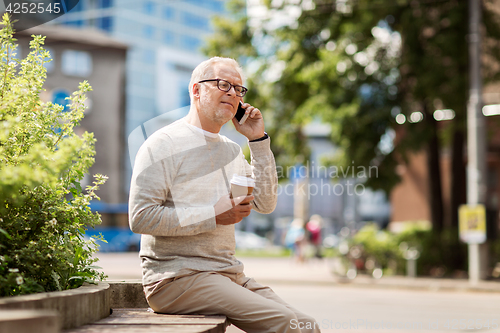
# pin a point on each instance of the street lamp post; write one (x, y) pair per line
(476, 149)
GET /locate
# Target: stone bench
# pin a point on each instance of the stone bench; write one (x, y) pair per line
(131, 314)
(111, 306)
(142, 320)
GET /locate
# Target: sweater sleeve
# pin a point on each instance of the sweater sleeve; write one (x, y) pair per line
(266, 179)
(150, 211)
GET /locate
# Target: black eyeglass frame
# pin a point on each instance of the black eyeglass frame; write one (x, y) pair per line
(244, 89)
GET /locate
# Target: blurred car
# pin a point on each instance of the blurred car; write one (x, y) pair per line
(123, 240)
(117, 239)
(250, 241)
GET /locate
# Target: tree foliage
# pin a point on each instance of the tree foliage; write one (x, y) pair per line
(356, 64)
(43, 209)
(325, 66)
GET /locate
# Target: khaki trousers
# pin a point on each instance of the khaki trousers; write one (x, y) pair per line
(247, 304)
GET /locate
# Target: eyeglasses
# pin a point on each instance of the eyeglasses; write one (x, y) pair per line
(225, 86)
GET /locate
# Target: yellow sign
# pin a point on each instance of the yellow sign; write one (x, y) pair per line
(472, 223)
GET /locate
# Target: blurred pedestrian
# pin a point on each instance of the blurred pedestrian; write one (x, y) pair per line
(314, 228)
(295, 239)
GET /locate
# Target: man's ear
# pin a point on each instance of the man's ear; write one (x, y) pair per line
(196, 90)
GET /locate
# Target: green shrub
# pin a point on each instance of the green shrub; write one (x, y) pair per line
(43, 209)
(495, 251)
(379, 245)
(439, 254)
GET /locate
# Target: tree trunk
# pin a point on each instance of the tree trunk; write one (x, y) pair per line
(458, 176)
(435, 190)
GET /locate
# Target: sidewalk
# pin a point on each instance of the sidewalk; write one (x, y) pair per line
(279, 271)
(126, 266)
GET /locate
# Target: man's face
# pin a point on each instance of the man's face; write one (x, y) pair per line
(217, 105)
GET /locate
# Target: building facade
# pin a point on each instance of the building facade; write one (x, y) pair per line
(164, 39)
(410, 198)
(89, 55)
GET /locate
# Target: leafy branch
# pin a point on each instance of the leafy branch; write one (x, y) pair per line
(42, 161)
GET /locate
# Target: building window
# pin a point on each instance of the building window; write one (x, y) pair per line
(213, 5)
(106, 23)
(148, 31)
(195, 21)
(149, 7)
(76, 63)
(168, 13)
(190, 43)
(77, 23)
(105, 3)
(59, 96)
(168, 37)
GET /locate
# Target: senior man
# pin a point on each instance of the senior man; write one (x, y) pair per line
(180, 203)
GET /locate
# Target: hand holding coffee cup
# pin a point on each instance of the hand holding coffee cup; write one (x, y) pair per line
(241, 186)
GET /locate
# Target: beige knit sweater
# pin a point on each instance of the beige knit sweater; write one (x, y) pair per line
(179, 175)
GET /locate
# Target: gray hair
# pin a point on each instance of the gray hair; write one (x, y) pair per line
(205, 70)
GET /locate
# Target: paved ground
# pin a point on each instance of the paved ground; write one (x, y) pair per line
(396, 304)
(284, 271)
(351, 309)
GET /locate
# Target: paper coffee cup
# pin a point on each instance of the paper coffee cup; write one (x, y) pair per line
(241, 186)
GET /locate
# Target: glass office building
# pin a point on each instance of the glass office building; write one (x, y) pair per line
(164, 38)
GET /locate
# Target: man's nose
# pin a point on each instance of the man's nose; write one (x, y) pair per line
(231, 91)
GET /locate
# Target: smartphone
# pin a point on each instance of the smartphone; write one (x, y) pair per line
(240, 115)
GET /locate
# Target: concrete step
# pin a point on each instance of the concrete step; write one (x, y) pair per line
(76, 307)
(141, 320)
(29, 321)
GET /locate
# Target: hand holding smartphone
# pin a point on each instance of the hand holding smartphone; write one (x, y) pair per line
(240, 115)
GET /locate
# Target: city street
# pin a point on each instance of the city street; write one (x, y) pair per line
(350, 308)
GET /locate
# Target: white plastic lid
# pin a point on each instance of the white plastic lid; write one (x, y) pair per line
(242, 181)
